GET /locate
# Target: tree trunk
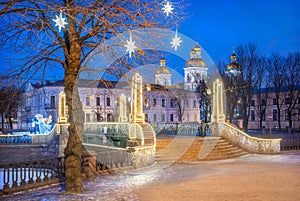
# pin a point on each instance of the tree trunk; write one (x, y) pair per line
(2, 121)
(73, 150)
(10, 122)
(278, 117)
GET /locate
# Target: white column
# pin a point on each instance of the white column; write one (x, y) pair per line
(218, 104)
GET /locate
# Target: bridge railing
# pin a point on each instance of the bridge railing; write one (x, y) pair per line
(247, 142)
(32, 174)
(106, 133)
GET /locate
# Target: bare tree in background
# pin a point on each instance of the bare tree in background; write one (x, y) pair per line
(27, 28)
(292, 84)
(249, 59)
(261, 89)
(10, 99)
(276, 68)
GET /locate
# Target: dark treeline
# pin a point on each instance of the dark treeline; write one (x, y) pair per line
(259, 75)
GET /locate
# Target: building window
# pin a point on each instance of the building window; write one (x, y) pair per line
(154, 117)
(107, 101)
(98, 117)
(187, 103)
(98, 101)
(263, 115)
(286, 114)
(172, 103)
(146, 117)
(87, 101)
(87, 117)
(299, 100)
(275, 115)
(275, 102)
(195, 103)
(163, 117)
(252, 115)
(287, 101)
(263, 102)
(299, 114)
(163, 104)
(253, 103)
(171, 117)
(154, 101)
(110, 117)
(146, 102)
(52, 102)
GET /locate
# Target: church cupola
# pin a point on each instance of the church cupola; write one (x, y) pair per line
(195, 69)
(163, 74)
(233, 69)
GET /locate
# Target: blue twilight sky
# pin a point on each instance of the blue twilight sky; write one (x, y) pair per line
(219, 25)
(274, 25)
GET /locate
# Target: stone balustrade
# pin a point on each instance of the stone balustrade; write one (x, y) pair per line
(248, 143)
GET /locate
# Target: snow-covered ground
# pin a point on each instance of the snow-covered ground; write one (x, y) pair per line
(251, 177)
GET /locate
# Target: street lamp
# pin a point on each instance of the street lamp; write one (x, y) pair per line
(270, 122)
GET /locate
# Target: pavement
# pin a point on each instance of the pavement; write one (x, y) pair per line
(251, 177)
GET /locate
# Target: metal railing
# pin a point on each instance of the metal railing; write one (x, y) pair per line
(185, 128)
(290, 144)
(32, 174)
(106, 134)
(112, 160)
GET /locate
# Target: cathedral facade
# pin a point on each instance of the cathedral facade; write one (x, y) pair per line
(164, 102)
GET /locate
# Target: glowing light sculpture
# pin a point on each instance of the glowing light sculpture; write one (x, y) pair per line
(137, 114)
(218, 104)
(62, 118)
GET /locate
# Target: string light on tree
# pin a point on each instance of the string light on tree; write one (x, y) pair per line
(176, 41)
(130, 47)
(60, 22)
(167, 8)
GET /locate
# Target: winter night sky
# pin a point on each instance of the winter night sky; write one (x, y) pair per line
(219, 25)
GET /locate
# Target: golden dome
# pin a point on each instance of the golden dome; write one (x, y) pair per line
(197, 48)
(233, 65)
(163, 60)
(233, 56)
(163, 69)
(195, 62)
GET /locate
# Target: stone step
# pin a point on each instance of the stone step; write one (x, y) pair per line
(221, 149)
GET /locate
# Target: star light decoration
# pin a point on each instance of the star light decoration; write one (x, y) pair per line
(60, 21)
(167, 8)
(130, 47)
(176, 41)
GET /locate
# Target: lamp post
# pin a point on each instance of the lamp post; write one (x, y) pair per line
(270, 125)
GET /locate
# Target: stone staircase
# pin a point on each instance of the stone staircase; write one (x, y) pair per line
(191, 149)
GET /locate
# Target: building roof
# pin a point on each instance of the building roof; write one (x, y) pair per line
(195, 62)
(273, 89)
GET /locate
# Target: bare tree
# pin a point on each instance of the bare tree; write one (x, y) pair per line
(261, 90)
(27, 28)
(249, 59)
(292, 94)
(276, 68)
(204, 101)
(10, 99)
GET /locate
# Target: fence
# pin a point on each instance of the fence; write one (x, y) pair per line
(290, 144)
(27, 175)
(185, 128)
(107, 134)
